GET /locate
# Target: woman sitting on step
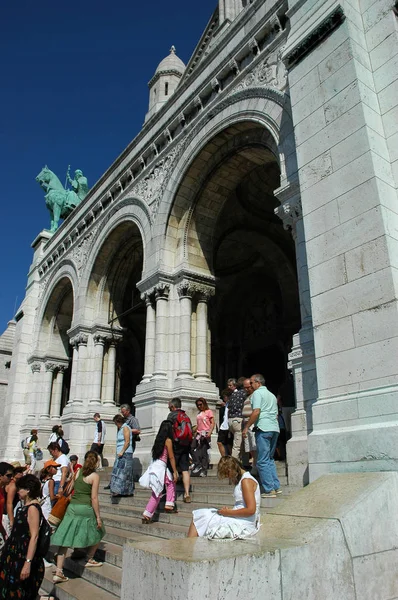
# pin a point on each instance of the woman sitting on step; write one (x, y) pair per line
(158, 475)
(239, 522)
(81, 526)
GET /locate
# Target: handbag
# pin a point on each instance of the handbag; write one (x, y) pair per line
(59, 509)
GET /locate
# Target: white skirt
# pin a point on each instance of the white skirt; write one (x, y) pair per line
(210, 524)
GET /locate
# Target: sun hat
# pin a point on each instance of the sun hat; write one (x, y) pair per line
(51, 463)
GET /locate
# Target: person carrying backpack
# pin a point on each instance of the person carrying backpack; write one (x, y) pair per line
(182, 438)
(62, 443)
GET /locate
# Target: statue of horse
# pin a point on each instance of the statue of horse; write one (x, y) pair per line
(60, 202)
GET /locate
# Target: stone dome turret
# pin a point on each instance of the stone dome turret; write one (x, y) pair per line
(164, 82)
(172, 63)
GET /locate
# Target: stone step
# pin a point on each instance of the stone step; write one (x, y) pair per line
(127, 525)
(108, 577)
(74, 589)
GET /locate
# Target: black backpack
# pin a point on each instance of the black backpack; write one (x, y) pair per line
(64, 446)
(44, 539)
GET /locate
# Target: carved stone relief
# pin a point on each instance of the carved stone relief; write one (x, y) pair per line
(270, 72)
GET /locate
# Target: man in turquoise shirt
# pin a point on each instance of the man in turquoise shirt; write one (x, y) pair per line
(265, 418)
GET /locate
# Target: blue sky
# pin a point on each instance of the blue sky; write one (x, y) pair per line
(74, 91)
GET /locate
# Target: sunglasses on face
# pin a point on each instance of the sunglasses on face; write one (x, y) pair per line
(9, 475)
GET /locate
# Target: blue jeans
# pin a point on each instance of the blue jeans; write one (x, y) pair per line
(266, 444)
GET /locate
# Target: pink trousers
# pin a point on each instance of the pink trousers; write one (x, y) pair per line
(154, 500)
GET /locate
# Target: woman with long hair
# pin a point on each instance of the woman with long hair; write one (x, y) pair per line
(238, 522)
(81, 526)
(48, 486)
(159, 472)
(21, 570)
(122, 482)
(201, 441)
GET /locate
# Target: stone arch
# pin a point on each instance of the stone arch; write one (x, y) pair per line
(221, 224)
(62, 285)
(262, 107)
(128, 213)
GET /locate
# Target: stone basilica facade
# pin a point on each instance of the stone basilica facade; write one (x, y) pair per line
(251, 226)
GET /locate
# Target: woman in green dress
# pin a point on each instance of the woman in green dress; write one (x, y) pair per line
(81, 526)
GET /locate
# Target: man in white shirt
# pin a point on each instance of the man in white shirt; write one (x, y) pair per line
(99, 437)
(63, 469)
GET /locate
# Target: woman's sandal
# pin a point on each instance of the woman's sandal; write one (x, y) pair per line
(60, 578)
(91, 562)
(170, 509)
(146, 520)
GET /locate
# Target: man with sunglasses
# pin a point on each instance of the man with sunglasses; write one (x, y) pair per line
(6, 473)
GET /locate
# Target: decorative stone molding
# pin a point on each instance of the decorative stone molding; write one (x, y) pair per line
(148, 297)
(317, 35)
(253, 45)
(215, 85)
(290, 210)
(234, 67)
(36, 367)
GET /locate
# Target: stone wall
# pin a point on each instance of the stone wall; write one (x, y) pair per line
(335, 539)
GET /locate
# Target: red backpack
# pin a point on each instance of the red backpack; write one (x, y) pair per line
(182, 429)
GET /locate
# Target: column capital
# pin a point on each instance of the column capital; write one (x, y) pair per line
(204, 292)
(186, 289)
(162, 291)
(80, 339)
(36, 366)
(50, 366)
(148, 297)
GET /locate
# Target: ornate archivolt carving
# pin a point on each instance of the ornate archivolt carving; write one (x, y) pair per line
(80, 253)
(151, 188)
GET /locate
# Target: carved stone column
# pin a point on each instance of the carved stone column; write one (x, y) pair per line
(162, 291)
(202, 331)
(185, 290)
(149, 337)
(34, 409)
(99, 344)
(302, 356)
(57, 392)
(50, 367)
(80, 341)
(73, 378)
(109, 392)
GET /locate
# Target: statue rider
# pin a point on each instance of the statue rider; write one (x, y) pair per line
(79, 184)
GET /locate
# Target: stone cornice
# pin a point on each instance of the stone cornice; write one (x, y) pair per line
(315, 37)
(167, 72)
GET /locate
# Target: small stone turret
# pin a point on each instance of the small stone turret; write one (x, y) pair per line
(165, 81)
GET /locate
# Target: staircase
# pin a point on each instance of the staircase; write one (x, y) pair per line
(122, 520)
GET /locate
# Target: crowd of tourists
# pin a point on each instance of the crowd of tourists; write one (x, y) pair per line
(66, 511)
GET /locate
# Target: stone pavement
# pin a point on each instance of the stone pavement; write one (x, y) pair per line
(122, 520)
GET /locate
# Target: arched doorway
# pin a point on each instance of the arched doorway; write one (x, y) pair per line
(55, 349)
(118, 308)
